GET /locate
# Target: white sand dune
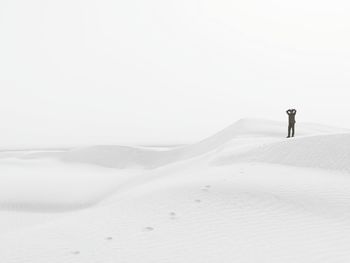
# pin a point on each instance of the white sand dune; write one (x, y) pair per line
(322, 151)
(246, 194)
(122, 157)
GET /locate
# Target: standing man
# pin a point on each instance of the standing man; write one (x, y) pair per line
(291, 114)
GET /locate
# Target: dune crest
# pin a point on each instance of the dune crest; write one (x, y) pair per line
(123, 157)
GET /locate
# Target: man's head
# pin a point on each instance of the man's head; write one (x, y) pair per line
(291, 111)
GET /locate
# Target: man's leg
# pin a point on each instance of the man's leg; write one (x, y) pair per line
(289, 128)
(293, 126)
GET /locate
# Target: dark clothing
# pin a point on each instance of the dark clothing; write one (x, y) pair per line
(291, 129)
(291, 118)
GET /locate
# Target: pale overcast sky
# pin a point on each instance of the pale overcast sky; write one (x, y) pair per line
(107, 71)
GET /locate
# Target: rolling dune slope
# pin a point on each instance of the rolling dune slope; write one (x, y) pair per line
(246, 194)
(321, 151)
(123, 157)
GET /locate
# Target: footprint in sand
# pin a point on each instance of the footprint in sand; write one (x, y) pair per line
(198, 201)
(109, 238)
(75, 252)
(206, 188)
(172, 215)
(148, 229)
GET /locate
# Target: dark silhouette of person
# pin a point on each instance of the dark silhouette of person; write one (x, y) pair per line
(291, 125)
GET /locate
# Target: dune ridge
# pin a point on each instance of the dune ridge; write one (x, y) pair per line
(122, 157)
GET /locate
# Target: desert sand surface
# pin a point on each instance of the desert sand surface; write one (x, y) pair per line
(245, 194)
